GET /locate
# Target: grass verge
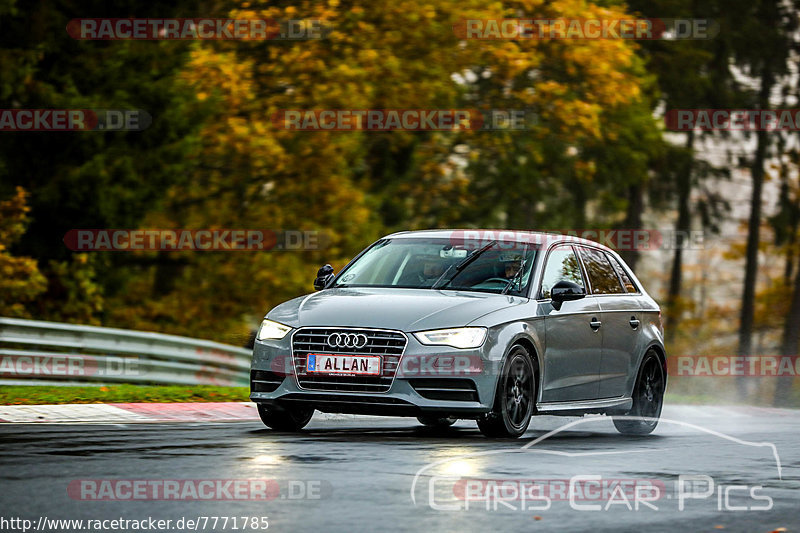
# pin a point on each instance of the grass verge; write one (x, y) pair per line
(38, 395)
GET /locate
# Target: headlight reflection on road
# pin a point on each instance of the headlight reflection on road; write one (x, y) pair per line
(461, 464)
(267, 459)
(459, 468)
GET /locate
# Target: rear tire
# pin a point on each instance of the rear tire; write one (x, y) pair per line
(282, 418)
(515, 400)
(436, 422)
(648, 398)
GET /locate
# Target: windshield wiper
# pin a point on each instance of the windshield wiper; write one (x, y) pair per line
(461, 265)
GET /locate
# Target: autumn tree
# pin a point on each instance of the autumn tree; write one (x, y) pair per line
(356, 185)
(20, 279)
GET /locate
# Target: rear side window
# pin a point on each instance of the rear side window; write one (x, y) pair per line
(562, 265)
(623, 274)
(602, 276)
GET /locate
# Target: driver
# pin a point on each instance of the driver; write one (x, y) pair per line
(511, 266)
(432, 268)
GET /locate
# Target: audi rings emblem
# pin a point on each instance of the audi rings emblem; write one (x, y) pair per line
(347, 340)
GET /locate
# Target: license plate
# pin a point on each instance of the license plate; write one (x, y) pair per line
(362, 365)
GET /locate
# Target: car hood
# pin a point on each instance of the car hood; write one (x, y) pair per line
(389, 308)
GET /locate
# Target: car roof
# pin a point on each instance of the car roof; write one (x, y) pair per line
(506, 235)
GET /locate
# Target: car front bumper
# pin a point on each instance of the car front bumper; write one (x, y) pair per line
(429, 379)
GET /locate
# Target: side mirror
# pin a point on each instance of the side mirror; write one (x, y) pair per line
(324, 276)
(566, 291)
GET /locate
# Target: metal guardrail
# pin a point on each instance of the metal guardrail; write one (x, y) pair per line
(33, 351)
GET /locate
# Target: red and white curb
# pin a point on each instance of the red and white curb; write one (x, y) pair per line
(129, 412)
(117, 413)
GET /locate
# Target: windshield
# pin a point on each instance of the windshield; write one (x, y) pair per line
(420, 263)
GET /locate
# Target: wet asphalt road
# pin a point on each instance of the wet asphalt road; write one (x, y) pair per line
(349, 473)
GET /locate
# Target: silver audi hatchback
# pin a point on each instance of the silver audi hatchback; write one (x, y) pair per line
(490, 325)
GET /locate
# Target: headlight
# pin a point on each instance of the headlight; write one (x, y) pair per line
(272, 330)
(457, 338)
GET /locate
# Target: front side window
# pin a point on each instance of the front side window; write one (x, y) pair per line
(435, 263)
(602, 276)
(562, 265)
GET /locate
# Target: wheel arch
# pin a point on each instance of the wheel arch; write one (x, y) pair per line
(527, 343)
(662, 356)
(661, 353)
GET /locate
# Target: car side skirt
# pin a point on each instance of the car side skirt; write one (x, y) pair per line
(604, 406)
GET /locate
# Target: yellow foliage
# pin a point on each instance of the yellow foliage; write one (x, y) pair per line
(20, 279)
(380, 54)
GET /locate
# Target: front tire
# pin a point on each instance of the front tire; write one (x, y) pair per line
(515, 399)
(282, 418)
(648, 398)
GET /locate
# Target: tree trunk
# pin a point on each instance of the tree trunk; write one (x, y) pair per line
(788, 269)
(791, 340)
(753, 238)
(579, 211)
(785, 232)
(633, 221)
(682, 227)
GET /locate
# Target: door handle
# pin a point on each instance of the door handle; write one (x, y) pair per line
(634, 323)
(595, 324)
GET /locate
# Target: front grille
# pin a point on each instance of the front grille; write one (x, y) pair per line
(388, 344)
(454, 390)
(262, 381)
